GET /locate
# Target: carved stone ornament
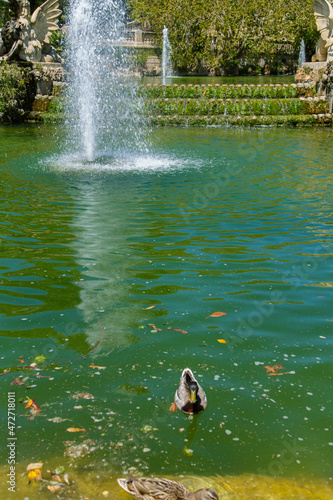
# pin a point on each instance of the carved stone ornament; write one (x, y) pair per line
(323, 12)
(23, 38)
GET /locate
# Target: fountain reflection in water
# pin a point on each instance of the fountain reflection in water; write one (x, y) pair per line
(103, 97)
(166, 57)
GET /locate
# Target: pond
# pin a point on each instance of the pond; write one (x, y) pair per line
(111, 272)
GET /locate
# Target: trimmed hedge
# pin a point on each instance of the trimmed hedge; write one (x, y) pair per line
(223, 91)
(243, 107)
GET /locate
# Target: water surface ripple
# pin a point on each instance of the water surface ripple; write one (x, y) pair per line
(231, 220)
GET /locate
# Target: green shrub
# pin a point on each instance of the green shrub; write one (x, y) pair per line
(13, 92)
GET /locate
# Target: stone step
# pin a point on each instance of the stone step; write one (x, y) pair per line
(221, 120)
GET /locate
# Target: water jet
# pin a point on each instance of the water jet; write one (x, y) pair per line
(166, 56)
(103, 98)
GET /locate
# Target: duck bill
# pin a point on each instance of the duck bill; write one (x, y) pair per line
(193, 395)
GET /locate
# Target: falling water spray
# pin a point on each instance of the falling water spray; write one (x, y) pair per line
(104, 103)
(166, 56)
(301, 57)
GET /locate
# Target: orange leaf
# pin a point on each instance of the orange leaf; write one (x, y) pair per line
(38, 474)
(17, 381)
(31, 403)
(281, 373)
(150, 307)
(75, 429)
(222, 341)
(155, 327)
(216, 314)
(273, 369)
(270, 369)
(177, 330)
(86, 395)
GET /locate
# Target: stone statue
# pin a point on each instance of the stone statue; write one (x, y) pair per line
(323, 12)
(24, 38)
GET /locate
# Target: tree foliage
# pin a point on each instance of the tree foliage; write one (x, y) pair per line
(215, 34)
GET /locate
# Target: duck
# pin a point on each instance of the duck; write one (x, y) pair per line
(163, 489)
(190, 398)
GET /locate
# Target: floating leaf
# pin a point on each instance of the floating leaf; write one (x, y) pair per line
(273, 369)
(155, 327)
(53, 487)
(35, 474)
(97, 367)
(148, 428)
(56, 477)
(59, 470)
(33, 466)
(17, 381)
(84, 395)
(217, 314)
(57, 420)
(39, 359)
(33, 408)
(150, 307)
(177, 330)
(75, 429)
(31, 403)
(222, 341)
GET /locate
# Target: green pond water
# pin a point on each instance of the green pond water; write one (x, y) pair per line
(228, 220)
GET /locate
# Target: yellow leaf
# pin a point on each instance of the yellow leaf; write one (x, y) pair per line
(222, 341)
(30, 402)
(35, 474)
(150, 307)
(75, 429)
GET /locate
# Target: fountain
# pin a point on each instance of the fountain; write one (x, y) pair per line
(166, 56)
(103, 92)
(302, 56)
